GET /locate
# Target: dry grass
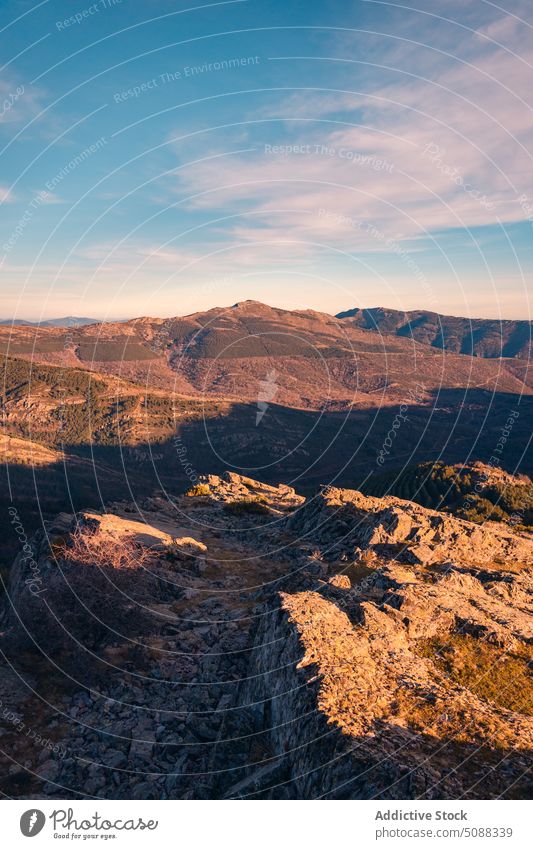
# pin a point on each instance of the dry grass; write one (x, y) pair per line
(255, 506)
(495, 676)
(100, 592)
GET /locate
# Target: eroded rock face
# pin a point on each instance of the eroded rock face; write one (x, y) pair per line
(361, 709)
(231, 486)
(340, 646)
(345, 519)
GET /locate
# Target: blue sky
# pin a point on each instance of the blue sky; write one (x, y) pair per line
(163, 158)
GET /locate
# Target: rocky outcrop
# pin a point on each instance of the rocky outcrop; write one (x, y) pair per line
(231, 486)
(356, 709)
(350, 683)
(346, 521)
(339, 647)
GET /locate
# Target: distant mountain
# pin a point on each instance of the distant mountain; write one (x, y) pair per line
(302, 358)
(478, 337)
(251, 329)
(300, 395)
(67, 321)
(279, 385)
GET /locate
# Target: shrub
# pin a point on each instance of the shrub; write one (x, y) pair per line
(247, 506)
(96, 592)
(97, 551)
(450, 488)
(482, 510)
(198, 490)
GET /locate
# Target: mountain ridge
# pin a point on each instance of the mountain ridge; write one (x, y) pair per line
(317, 358)
(66, 321)
(481, 337)
(354, 312)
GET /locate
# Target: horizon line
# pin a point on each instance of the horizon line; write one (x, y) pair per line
(88, 320)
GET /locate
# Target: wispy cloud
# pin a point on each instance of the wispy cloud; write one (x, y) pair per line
(444, 142)
(19, 102)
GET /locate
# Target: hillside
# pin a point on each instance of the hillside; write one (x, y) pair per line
(479, 337)
(72, 438)
(473, 491)
(313, 359)
(242, 641)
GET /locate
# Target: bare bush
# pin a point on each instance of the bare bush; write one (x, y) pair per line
(98, 592)
(96, 551)
(105, 588)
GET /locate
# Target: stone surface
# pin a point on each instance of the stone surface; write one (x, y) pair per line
(277, 658)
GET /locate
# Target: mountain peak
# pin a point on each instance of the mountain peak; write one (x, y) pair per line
(250, 303)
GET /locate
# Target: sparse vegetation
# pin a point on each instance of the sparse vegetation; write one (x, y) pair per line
(255, 506)
(96, 551)
(451, 488)
(488, 671)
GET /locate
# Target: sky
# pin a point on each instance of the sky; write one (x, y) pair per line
(163, 158)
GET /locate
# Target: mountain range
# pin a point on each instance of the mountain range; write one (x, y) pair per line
(317, 358)
(476, 336)
(298, 397)
(67, 321)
